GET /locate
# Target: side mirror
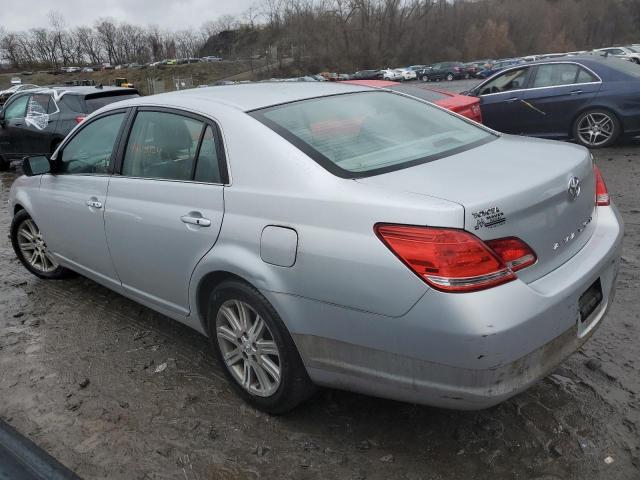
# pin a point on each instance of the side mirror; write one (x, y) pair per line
(36, 165)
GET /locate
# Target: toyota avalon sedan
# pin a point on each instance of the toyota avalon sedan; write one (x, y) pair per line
(323, 234)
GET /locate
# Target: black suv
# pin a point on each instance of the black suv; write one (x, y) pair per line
(442, 71)
(36, 121)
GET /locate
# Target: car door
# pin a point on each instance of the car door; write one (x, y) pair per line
(40, 124)
(557, 93)
(71, 201)
(165, 209)
(500, 100)
(12, 126)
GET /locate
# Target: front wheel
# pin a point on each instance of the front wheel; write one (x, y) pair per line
(32, 250)
(449, 77)
(425, 78)
(596, 128)
(255, 349)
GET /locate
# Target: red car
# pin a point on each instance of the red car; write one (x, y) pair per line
(461, 104)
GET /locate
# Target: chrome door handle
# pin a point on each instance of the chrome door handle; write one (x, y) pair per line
(94, 204)
(576, 92)
(511, 100)
(201, 222)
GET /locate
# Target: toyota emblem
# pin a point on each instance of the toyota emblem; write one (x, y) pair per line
(574, 188)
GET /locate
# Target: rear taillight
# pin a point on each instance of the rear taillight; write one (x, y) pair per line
(448, 260)
(80, 118)
(514, 252)
(602, 194)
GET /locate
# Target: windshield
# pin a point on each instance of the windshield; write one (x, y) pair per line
(366, 133)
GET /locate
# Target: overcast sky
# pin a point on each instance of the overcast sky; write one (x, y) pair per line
(168, 14)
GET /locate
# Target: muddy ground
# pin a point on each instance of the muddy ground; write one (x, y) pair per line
(80, 376)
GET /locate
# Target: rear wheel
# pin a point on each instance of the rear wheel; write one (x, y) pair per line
(449, 77)
(425, 78)
(596, 128)
(255, 349)
(31, 249)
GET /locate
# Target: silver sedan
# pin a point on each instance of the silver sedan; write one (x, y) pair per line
(332, 235)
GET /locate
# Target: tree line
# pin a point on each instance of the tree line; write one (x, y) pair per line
(342, 34)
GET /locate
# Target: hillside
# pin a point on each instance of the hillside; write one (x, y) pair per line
(163, 76)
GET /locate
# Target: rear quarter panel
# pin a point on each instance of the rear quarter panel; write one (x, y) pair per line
(339, 258)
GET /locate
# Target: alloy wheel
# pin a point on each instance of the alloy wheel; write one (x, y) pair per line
(596, 129)
(33, 247)
(248, 348)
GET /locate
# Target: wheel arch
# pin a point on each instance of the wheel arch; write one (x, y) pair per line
(587, 108)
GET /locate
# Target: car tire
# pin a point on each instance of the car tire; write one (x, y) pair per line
(607, 132)
(449, 77)
(237, 349)
(424, 78)
(4, 164)
(42, 264)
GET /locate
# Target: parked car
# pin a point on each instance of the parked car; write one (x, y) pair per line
(407, 73)
(35, 121)
(472, 68)
(628, 53)
(356, 238)
(461, 104)
(87, 70)
(390, 74)
(368, 75)
(5, 94)
(442, 71)
(498, 66)
(589, 99)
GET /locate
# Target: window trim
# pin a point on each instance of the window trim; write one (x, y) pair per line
(599, 81)
(217, 134)
(575, 78)
(54, 159)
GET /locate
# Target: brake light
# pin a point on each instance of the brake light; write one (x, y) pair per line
(446, 259)
(80, 118)
(602, 194)
(514, 252)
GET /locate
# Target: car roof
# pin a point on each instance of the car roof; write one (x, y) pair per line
(247, 96)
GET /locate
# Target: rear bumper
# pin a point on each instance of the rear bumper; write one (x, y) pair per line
(468, 351)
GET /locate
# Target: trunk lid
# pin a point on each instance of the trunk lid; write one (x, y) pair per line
(513, 186)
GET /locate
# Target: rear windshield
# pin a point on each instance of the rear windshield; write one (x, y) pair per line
(366, 133)
(96, 102)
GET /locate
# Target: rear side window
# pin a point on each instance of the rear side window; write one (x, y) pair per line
(585, 77)
(89, 151)
(93, 103)
(556, 74)
(208, 166)
(74, 102)
(361, 134)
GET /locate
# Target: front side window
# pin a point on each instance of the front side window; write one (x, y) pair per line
(89, 151)
(162, 145)
(511, 80)
(17, 108)
(365, 133)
